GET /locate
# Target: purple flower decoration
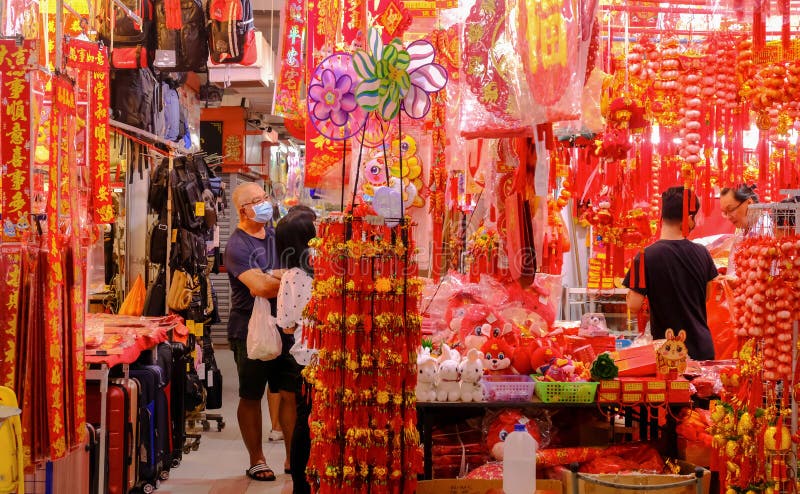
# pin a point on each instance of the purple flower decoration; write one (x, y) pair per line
(332, 105)
(333, 98)
(426, 78)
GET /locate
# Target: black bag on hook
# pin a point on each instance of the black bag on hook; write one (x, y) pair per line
(184, 49)
(130, 42)
(156, 298)
(133, 97)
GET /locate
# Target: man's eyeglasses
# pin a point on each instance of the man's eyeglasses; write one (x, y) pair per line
(254, 201)
(730, 211)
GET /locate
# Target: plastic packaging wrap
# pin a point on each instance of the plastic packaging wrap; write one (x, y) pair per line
(549, 39)
(498, 424)
(489, 105)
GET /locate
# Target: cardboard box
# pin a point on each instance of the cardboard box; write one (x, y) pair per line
(462, 486)
(639, 479)
(694, 453)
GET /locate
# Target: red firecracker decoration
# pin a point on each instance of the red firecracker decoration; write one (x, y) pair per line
(366, 325)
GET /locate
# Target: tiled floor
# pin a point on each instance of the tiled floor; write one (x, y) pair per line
(218, 466)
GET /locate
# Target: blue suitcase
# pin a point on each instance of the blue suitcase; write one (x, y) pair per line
(154, 457)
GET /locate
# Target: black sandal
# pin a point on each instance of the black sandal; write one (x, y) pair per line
(260, 472)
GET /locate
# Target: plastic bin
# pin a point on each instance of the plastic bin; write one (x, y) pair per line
(566, 392)
(508, 387)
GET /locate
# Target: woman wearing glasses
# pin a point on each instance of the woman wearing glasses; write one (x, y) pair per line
(735, 204)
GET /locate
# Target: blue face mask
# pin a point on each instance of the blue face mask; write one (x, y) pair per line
(263, 212)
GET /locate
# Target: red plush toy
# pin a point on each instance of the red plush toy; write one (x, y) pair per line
(497, 356)
(544, 351)
(454, 315)
(478, 323)
(503, 425)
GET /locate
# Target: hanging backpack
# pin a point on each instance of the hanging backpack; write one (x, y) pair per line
(134, 98)
(129, 41)
(231, 32)
(172, 113)
(181, 39)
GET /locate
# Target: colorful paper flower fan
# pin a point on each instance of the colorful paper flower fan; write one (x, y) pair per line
(384, 73)
(331, 100)
(426, 77)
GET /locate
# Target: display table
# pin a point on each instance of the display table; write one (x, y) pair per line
(118, 340)
(428, 412)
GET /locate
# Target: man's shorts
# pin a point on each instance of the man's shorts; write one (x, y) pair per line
(282, 373)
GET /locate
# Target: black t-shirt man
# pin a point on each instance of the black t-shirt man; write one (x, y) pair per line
(676, 276)
(677, 273)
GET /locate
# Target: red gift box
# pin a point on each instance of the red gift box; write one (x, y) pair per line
(609, 391)
(635, 361)
(679, 391)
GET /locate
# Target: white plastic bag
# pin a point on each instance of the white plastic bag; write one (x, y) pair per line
(263, 338)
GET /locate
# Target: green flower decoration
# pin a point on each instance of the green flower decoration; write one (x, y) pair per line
(604, 368)
(384, 74)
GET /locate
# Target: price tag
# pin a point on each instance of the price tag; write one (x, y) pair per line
(198, 329)
(210, 380)
(190, 325)
(201, 370)
(199, 209)
(174, 235)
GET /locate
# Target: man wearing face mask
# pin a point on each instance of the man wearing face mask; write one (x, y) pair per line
(250, 257)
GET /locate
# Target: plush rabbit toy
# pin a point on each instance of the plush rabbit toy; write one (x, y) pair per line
(428, 371)
(448, 387)
(471, 368)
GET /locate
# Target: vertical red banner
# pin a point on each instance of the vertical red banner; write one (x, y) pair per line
(321, 152)
(291, 75)
(61, 121)
(14, 140)
(90, 62)
(102, 208)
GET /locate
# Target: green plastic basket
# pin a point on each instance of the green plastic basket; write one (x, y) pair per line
(565, 392)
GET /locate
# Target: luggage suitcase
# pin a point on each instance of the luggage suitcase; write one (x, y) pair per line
(12, 477)
(92, 445)
(131, 455)
(118, 435)
(153, 426)
(180, 359)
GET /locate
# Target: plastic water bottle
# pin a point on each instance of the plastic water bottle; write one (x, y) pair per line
(519, 462)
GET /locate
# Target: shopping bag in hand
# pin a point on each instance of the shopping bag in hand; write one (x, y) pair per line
(263, 338)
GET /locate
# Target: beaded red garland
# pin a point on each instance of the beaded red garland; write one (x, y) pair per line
(366, 324)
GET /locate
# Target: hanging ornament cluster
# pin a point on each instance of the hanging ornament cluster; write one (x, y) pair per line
(766, 299)
(751, 431)
(691, 113)
(366, 325)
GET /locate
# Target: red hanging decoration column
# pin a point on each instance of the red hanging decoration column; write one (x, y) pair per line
(366, 325)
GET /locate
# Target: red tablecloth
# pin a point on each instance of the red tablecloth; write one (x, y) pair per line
(125, 338)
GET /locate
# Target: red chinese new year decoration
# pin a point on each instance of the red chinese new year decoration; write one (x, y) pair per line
(366, 325)
(15, 146)
(292, 74)
(91, 63)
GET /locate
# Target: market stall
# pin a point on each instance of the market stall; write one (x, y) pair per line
(492, 181)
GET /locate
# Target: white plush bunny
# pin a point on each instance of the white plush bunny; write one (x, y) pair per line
(449, 386)
(428, 370)
(471, 368)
